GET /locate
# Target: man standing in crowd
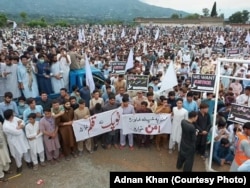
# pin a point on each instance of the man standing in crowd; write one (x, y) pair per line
(127, 109)
(10, 75)
(82, 112)
(50, 136)
(4, 156)
(33, 108)
(8, 103)
(112, 136)
(75, 58)
(26, 78)
(188, 143)
(17, 141)
(161, 139)
(242, 150)
(203, 124)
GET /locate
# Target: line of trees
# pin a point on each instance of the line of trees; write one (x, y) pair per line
(237, 17)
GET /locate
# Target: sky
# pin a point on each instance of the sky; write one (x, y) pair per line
(228, 7)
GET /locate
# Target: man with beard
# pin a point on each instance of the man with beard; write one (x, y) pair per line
(10, 78)
(8, 104)
(26, 78)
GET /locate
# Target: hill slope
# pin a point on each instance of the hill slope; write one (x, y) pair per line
(94, 9)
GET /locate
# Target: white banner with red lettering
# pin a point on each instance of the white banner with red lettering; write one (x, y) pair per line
(146, 123)
(97, 124)
(143, 123)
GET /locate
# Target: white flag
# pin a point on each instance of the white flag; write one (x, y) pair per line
(80, 39)
(116, 58)
(102, 32)
(135, 37)
(169, 80)
(130, 61)
(144, 47)
(221, 40)
(89, 77)
(123, 33)
(137, 31)
(14, 25)
(248, 38)
(83, 35)
(113, 37)
(157, 34)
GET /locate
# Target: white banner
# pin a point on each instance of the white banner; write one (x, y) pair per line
(97, 124)
(146, 123)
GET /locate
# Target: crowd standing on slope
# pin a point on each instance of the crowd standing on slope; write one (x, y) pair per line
(35, 63)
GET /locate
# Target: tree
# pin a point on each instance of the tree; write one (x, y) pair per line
(214, 11)
(175, 16)
(3, 19)
(62, 23)
(205, 12)
(239, 17)
(193, 16)
(23, 15)
(236, 17)
(245, 16)
(222, 15)
(43, 19)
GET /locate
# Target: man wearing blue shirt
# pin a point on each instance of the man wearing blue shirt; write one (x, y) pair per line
(8, 104)
(189, 104)
(33, 108)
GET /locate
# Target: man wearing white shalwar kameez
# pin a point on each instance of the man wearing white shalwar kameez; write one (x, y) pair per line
(64, 61)
(35, 139)
(4, 155)
(17, 141)
(2, 85)
(27, 79)
(179, 113)
(10, 79)
(56, 76)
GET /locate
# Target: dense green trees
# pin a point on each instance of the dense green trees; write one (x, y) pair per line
(239, 17)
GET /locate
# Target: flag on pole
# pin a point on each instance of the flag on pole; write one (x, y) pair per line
(130, 61)
(157, 34)
(83, 35)
(137, 31)
(248, 38)
(221, 40)
(116, 58)
(135, 38)
(144, 47)
(89, 77)
(80, 38)
(169, 79)
(14, 25)
(113, 37)
(123, 33)
(102, 32)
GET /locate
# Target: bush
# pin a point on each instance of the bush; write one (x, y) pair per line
(61, 24)
(37, 23)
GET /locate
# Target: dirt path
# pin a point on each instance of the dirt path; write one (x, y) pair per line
(92, 170)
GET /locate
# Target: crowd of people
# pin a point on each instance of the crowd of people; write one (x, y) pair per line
(36, 63)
